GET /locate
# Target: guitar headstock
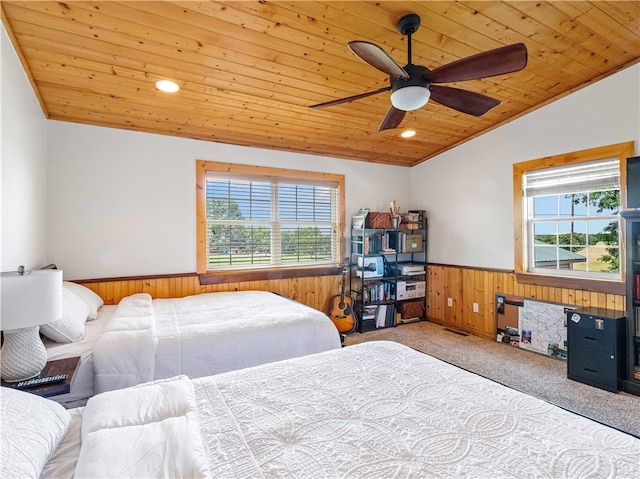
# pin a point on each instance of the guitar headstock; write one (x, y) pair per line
(345, 266)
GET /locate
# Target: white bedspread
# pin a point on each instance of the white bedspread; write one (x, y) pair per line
(205, 334)
(375, 410)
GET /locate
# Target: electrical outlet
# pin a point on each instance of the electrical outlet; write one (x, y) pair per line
(476, 309)
(450, 302)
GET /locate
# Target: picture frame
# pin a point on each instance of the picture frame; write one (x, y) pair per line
(357, 222)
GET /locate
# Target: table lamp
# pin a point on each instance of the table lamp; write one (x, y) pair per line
(28, 299)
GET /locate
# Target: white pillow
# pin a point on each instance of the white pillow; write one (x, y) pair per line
(32, 429)
(93, 300)
(69, 328)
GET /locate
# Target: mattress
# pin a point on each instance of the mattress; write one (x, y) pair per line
(377, 409)
(82, 387)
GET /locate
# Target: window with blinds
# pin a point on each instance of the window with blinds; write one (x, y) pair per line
(264, 221)
(572, 219)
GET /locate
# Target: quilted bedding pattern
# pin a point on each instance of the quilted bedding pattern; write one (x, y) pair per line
(382, 410)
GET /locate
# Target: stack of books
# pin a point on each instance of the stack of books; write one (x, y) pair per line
(383, 314)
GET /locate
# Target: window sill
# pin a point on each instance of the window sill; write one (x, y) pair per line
(593, 285)
(221, 277)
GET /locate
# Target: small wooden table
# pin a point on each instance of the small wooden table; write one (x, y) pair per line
(67, 366)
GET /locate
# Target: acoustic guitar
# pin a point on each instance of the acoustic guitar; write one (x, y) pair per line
(341, 312)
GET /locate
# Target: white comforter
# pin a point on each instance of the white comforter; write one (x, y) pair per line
(205, 334)
(375, 410)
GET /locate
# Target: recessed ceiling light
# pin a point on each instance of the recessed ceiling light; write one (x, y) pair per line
(167, 86)
(407, 134)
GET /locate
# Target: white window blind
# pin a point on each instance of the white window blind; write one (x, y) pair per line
(582, 177)
(256, 221)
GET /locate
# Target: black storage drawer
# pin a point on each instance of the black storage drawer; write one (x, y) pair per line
(590, 332)
(367, 325)
(596, 347)
(597, 368)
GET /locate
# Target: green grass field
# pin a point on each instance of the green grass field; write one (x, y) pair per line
(257, 259)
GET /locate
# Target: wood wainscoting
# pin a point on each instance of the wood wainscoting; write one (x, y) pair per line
(315, 292)
(465, 286)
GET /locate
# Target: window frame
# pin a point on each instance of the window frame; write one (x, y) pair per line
(616, 286)
(271, 272)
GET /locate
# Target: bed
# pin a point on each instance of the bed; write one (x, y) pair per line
(205, 334)
(144, 339)
(376, 409)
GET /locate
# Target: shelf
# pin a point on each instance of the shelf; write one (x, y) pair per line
(366, 243)
(373, 280)
(632, 225)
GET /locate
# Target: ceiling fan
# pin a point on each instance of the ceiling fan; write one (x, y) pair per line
(412, 86)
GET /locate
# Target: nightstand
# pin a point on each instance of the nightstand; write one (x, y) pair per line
(67, 366)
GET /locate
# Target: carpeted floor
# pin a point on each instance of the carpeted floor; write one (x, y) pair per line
(535, 374)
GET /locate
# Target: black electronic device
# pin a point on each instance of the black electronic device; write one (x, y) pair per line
(35, 382)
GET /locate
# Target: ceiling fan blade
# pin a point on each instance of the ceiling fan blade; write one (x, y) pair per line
(392, 119)
(378, 58)
(498, 61)
(463, 100)
(350, 98)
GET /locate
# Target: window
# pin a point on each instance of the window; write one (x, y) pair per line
(566, 207)
(572, 219)
(264, 218)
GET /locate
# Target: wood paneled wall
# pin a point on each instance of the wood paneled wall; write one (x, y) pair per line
(315, 292)
(466, 286)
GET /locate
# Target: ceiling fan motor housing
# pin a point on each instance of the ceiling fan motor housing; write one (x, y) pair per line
(416, 78)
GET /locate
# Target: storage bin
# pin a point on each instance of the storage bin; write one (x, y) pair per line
(379, 220)
(412, 309)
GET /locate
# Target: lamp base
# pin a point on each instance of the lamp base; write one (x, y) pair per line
(23, 355)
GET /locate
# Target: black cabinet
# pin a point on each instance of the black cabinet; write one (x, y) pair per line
(632, 256)
(596, 347)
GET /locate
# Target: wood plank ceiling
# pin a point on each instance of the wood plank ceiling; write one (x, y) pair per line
(250, 69)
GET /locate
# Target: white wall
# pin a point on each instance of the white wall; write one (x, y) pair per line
(122, 203)
(23, 167)
(468, 192)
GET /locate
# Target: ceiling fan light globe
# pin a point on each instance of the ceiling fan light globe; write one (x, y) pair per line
(410, 98)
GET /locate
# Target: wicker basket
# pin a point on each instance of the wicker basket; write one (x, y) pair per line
(379, 220)
(413, 220)
(413, 309)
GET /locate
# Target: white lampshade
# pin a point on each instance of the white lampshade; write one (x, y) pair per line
(27, 301)
(30, 299)
(410, 97)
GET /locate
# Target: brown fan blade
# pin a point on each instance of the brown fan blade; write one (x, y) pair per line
(462, 100)
(392, 119)
(499, 61)
(378, 58)
(350, 98)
